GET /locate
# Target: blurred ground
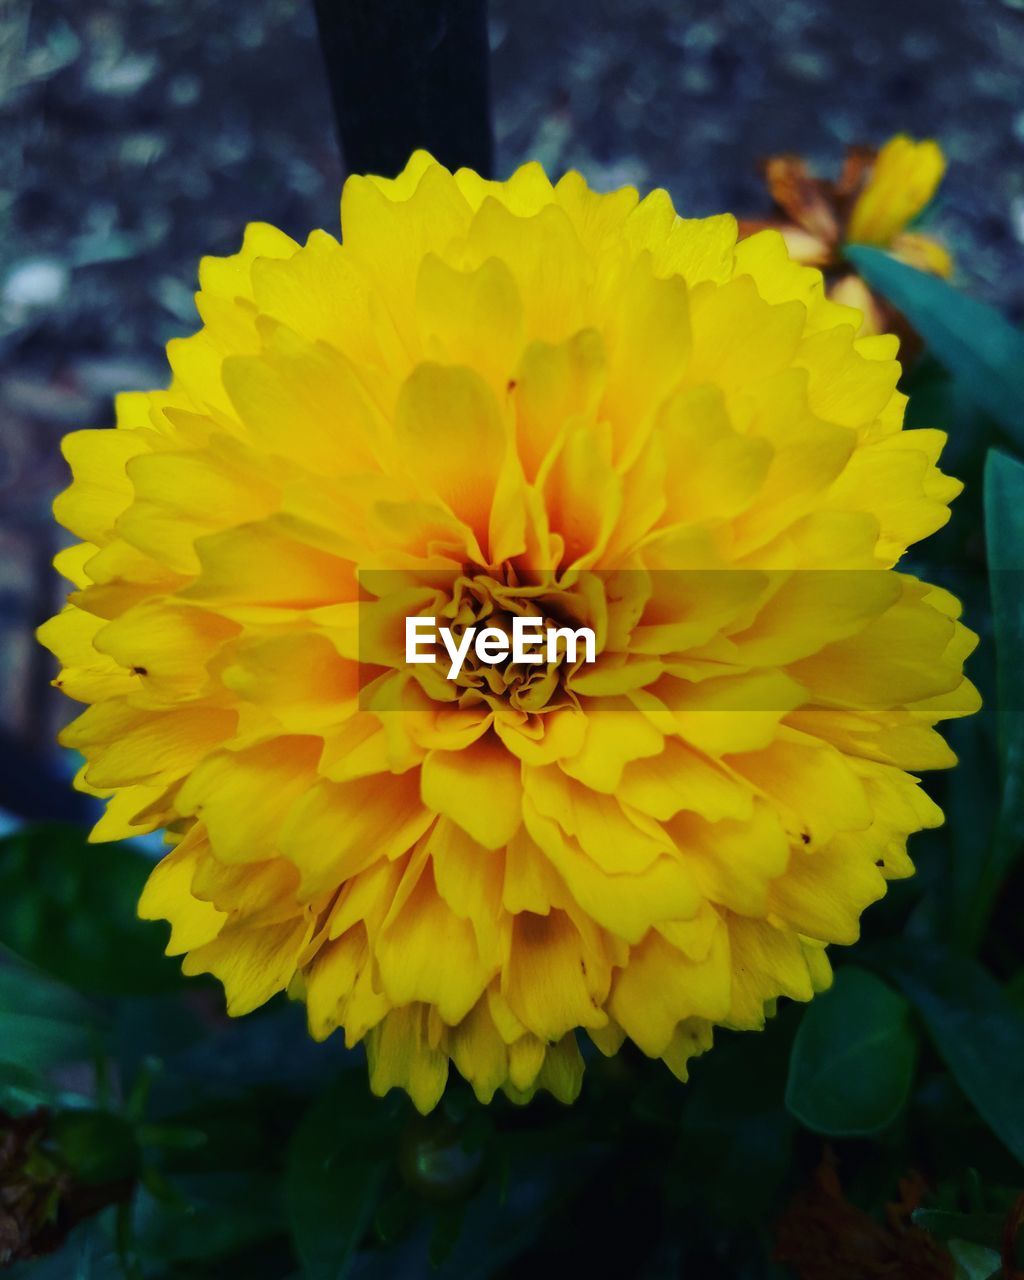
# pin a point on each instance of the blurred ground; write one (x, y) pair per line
(137, 135)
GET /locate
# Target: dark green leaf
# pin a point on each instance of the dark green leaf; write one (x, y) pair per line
(337, 1160)
(978, 1031)
(21, 1089)
(207, 1216)
(974, 341)
(396, 1215)
(96, 1145)
(972, 807)
(987, 817)
(853, 1058)
(974, 1261)
(43, 1023)
(447, 1228)
(980, 1228)
(1004, 537)
(69, 907)
(732, 1112)
(501, 1223)
(270, 1049)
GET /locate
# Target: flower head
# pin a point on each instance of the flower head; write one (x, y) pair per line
(496, 400)
(875, 198)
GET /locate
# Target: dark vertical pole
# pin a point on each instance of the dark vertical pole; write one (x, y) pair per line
(407, 74)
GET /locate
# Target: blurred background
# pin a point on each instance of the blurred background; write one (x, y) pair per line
(138, 135)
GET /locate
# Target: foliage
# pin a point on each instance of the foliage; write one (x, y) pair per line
(853, 1058)
(244, 1149)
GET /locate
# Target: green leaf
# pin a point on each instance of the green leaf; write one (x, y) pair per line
(69, 907)
(972, 806)
(974, 1261)
(337, 1160)
(988, 829)
(977, 1030)
(973, 340)
(21, 1089)
(979, 1228)
(206, 1216)
(732, 1115)
(448, 1221)
(853, 1058)
(42, 1023)
(1004, 539)
(502, 1222)
(96, 1145)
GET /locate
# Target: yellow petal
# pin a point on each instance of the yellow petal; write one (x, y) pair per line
(555, 385)
(469, 878)
(244, 797)
(145, 746)
(167, 646)
(471, 318)
(810, 784)
(101, 489)
(681, 778)
(425, 952)
(903, 180)
(824, 893)
(648, 349)
(252, 964)
(767, 963)
(923, 252)
(615, 736)
(478, 788)
(88, 675)
(340, 828)
(546, 982)
(400, 1054)
(262, 564)
(734, 862)
(660, 987)
(625, 903)
(449, 423)
(168, 896)
(479, 1052)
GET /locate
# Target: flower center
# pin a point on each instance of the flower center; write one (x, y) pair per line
(481, 598)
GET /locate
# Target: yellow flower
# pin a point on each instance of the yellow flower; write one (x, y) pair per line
(903, 179)
(872, 202)
(496, 399)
